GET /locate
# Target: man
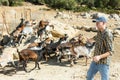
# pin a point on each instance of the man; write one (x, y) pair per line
(102, 52)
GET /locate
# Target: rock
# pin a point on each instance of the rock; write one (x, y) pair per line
(56, 34)
(115, 16)
(116, 32)
(93, 29)
(85, 27)
(95, 15)
(85, 15)
(62, 15)
(115, 75)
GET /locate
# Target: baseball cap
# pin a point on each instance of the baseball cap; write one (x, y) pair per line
(100, 19)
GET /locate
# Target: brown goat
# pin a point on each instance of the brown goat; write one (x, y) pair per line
(43, 23)
(27, 54)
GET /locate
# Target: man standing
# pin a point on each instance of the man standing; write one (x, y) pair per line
(103, 50)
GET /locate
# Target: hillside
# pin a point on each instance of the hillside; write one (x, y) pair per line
(65, 23)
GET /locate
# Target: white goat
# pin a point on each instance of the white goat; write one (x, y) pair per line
(76, 51)
(84, 50)
(8, 56)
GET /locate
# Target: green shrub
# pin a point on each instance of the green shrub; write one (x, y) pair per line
(65, 4)
(81, 9)
(115, 4)
(107, 6)
(36, 1)
(4, 2)
(15, 2)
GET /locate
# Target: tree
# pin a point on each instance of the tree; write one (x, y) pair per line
(114, 3)
(90, 3)
(65, 4)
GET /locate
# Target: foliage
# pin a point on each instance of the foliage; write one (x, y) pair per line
(4, 2)
(114, 4)
(65, 4)
(40, 2)
(15, 2)
(109, 6)
(81, 9)
(10, 2)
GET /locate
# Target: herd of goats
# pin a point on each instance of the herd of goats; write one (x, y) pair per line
(44, 48)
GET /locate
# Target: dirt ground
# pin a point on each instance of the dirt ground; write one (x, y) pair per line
(51, 70)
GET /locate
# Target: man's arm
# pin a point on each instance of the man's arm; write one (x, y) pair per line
(97, 58)
(109, 48)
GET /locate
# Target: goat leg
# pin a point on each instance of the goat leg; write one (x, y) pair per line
(38, 65)
(46, 58)
(86, 61)
(24, 66)
(59, 58)
(72, 61)
(4, 71)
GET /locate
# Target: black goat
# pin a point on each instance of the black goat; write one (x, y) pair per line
(5, 40)
(20, 24)
(42, 29)
(52, 47)
(41, 32)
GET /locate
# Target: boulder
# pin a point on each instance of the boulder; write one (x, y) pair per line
(115, 16)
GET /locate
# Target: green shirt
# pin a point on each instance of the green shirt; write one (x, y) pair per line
(103, 44)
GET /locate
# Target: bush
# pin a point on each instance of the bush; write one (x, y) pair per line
(4, 2)
(39, 2)
(90, 3)
(65, 4)
(115, 4)
(15, 2)
(107, 6)
(81, 9)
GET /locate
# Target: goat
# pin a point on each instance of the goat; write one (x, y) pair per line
(27, 54)
(5, 40)
(8, 55)
(28, 29)
(85, 50)
(63, 49)
(41, 51)
(75, 49)
(43, 23)
(52, 47)
(40, 47)
(16, 36)
(21, 23)
(66, 47)
(19, 26)
(42, 30)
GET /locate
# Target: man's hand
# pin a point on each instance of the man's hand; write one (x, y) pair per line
(96, 58)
